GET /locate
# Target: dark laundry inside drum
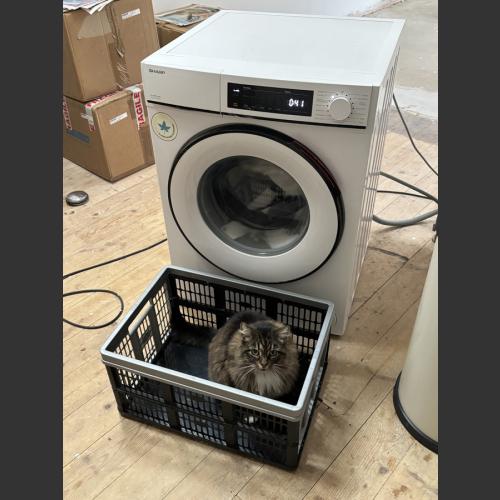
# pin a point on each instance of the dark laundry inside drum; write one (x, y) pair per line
(184, 354)
(253, 205)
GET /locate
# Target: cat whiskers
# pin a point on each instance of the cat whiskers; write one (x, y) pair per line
(247, 370)
(280, 370)
(243, 372)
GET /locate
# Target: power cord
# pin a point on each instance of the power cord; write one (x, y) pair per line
(410, 137)
(423, 194)
(103, 290)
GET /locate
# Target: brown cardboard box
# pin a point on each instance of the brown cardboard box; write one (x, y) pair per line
(102, 52)
(169, 32)
(110, 135)
(180, 20)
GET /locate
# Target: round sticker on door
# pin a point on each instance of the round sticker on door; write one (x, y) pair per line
(164, 126)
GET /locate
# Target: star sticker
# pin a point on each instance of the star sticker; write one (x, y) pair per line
(164, 127)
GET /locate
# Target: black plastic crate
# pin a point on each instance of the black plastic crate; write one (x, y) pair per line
(148, 388)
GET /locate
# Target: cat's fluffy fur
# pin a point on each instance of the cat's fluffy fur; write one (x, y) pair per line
(254, 353)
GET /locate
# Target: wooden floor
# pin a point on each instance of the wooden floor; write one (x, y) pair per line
(356, 447)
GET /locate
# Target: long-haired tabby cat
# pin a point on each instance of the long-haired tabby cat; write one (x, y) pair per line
(254, 353)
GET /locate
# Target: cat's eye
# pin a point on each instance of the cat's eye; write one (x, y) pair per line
(254, 352)
(274, 353)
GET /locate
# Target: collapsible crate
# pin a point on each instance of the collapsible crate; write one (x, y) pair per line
(149, 389)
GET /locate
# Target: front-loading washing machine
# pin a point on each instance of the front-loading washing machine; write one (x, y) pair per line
(268, 131)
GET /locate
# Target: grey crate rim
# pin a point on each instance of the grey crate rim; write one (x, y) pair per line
(209, 388)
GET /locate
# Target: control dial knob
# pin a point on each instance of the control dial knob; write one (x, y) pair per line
(340, 107)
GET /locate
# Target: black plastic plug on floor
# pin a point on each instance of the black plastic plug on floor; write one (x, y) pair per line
(76, 198)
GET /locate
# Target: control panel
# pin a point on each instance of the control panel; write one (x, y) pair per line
(270, 99)
(326, 105)
(347, 106)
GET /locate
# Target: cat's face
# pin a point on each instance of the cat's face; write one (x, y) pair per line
(264, 343)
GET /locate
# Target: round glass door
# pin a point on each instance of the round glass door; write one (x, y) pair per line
(253, 205)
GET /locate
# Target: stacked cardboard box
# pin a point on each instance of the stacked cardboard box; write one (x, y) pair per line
(105, 125)
(174, 23)
(110, 135)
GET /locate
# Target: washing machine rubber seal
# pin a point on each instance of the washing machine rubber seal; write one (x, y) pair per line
(285, 140)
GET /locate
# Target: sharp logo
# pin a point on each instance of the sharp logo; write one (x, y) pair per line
(157, 71)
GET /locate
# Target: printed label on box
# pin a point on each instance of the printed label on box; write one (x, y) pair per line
(118, 118)
(138, 107)
(131, 13)
(67, 120)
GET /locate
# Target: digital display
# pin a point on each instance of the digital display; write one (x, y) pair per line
(270, 99)
(296, 103)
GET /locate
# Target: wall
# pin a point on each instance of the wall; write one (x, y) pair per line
(329, 7)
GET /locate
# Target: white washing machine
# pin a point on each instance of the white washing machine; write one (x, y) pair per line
(268, 131)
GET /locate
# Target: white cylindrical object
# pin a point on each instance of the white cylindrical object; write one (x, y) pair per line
(416, 391)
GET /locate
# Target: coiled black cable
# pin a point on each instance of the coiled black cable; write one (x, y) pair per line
(103, 290)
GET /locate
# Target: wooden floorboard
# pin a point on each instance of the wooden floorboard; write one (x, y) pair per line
(356, 447)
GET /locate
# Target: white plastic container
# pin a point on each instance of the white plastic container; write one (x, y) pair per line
(416, 390)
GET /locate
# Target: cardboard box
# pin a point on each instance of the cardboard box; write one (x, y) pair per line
(108, 136)
(102, 52)
(169, 32)
(174, 23)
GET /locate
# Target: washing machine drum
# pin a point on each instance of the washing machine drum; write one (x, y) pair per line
(255, 203)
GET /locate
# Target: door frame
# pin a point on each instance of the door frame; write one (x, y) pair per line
(285, 140)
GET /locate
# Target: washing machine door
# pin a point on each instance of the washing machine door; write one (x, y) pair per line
(255, 203)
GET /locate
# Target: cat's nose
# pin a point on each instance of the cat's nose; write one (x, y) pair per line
(262, 365)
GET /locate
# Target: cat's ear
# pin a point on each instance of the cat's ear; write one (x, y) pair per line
(284, 333)
(245, 331)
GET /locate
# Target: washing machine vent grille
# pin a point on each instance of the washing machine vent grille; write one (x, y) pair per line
(374, 166)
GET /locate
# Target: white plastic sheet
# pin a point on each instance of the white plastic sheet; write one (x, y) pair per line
(89, 6)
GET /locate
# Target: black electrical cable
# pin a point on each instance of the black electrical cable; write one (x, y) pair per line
(95, 290)
(423, 194)
(427, 195)
(103, 290)
(116, 259)
(410, 137)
